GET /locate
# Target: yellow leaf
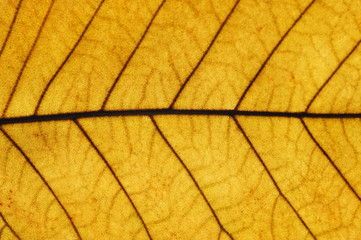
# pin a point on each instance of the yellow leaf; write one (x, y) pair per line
(169, 119)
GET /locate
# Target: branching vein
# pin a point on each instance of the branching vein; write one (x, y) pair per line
(190, 175)
(114, 175)
(311, 135)
(204, 55)
(330, 160)
(67, 58)
(27, 58)
(271, 54)
(333, 74)
(8, 225)
(273, 180)
(131, 56)
(43, 179)
(11, 27)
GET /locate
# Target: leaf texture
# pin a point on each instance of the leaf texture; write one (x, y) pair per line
(168, 119)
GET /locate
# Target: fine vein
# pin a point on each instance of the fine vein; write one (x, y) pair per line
(8, 225)
(114, 175)
(330, 160)
(11, 27)
(27, 58)
(332, 74)
(203, 56)
(131, 56)
(43, 180)
(271, 54)
(67, 58)
(190, 175)
(270, 175)
(311, 135)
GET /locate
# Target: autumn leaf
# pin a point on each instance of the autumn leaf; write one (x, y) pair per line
(165, 119)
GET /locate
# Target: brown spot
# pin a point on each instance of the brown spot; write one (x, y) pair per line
(292, 77)
(259, 29)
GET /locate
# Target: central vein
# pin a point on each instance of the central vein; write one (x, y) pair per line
(147, 112)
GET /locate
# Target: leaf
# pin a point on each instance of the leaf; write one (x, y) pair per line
(174, 119)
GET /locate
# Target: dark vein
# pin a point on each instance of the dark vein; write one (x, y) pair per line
(271, 54)
(204, 55)
(27, 58)
(1, 230)
(219, 235)
(11, 27)
(43, 179)
(114, 175)
(166, 111)
(131, 56)
(311, 135)
(8, 225)
(190, 175)
(330, 160)
(331, 76)
(66, 58)
(273, 180)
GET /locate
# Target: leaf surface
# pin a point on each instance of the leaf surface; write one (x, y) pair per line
(166, 119)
